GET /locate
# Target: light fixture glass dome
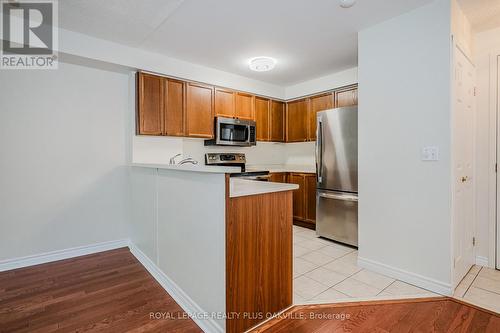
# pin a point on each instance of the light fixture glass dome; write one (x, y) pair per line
(262, 64)
(347, 3)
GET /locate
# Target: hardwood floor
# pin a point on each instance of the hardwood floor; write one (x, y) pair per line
(106, 292)
(416, 315)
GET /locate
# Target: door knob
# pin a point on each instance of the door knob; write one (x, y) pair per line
(464, 179)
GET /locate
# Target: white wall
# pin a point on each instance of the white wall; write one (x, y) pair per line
(461, 29)
(85, 46)
(327, 82)
(147, 149)
(486, 49)
(188, 247)
(404, 104)
(64, 151)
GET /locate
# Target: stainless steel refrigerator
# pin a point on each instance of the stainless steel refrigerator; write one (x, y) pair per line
(337, 175)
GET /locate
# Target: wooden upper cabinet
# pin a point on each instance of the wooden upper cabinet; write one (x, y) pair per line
(347, 97)
(277, 121)
(151, 95)
(298, 195)
(297, 120)
(318, 103)
(262, 118)
(244, 106)
(174, 107)
(224, 103)
(199, 110)
(310, 197)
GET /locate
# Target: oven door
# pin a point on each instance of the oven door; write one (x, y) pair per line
(233, 132)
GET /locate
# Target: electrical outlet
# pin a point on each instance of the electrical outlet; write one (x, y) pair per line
(430, 153)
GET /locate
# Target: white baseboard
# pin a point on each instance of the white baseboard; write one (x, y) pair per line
(482, 261)
(208, 325)
(37, 259)
(409, 277)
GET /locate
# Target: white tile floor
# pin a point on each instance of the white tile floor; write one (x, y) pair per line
(481, 286)
(325, 271)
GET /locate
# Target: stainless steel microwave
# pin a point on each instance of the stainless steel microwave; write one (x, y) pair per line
(233, 132)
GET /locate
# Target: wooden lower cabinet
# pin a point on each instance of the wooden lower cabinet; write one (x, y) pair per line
(310, 198)
(298, 196)
(304, 198)
(278, 177)
(258, 258)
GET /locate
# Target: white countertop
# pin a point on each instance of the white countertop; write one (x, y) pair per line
(283, 168)
(242, 187)
(190, 167)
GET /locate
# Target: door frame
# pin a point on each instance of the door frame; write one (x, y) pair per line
(494, 105)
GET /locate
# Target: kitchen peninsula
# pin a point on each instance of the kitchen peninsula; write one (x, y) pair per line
(219, 245)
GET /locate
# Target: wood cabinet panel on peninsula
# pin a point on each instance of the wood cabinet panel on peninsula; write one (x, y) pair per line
(258, 257)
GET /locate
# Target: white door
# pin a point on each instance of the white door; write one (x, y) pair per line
(463, 152)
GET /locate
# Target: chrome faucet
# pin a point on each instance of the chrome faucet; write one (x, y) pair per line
(189, 160)
(172, 159)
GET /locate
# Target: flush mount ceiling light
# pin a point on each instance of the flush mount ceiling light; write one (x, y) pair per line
(347, 3)
(262, 64)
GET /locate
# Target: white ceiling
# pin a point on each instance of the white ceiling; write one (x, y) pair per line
(309, 38)
(482, 14)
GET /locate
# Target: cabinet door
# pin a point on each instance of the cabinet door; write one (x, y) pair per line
(174, 110)
(310, 197)
(277, 121)
(199, 111)
(318, 103)
(278, 177)
(347, 97)
(262, 118)
(224, 103)
(298, 196)
(151, 90)
(244, 106)
(296, 120)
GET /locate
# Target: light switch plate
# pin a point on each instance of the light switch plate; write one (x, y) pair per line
(430, 153)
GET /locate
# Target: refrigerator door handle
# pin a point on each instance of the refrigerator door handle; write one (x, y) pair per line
(344, 197)
(319, 149)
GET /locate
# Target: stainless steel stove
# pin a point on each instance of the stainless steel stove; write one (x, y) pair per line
(238, 160)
